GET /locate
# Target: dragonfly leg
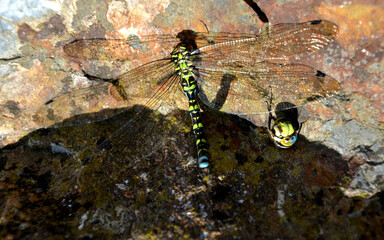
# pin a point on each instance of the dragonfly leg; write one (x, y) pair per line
(269, 106)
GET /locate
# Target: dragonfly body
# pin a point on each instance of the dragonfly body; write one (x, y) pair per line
(183, 62)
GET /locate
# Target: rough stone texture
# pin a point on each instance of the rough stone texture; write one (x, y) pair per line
(316, 190)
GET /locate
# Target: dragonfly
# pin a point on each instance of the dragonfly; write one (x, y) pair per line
(229, 72)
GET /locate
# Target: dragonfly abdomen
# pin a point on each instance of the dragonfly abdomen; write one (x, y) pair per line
(189, 86)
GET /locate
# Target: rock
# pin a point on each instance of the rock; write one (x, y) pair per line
(51, 188)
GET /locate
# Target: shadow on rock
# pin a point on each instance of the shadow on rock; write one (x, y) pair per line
(57, 182)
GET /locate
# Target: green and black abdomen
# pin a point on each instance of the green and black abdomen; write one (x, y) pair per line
(189, 88)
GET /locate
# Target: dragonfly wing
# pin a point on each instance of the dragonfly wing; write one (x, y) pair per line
(135, 87)
(189, 37)
(217, 91)
(246, 89)
(90, 99)
(120, 49)
(293, 40)
(280, 42)
(135, 47)
(154, 85)
(276, 43)
(204, 38)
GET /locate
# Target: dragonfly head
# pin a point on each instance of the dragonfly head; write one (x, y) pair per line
(187, 39)
(283, 133)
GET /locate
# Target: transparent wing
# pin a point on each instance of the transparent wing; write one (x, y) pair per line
(242, 89)
(135, 87)
(142, 48)
(280, 42)
(80, 101)
(153, 85)
(276, 43)
(118, 49)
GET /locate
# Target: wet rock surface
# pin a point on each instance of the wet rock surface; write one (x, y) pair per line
(55, 183)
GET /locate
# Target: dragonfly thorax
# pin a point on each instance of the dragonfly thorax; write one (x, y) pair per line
(182, 60)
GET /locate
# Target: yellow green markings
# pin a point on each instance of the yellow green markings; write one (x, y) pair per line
(283, 128)
(189, 89)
